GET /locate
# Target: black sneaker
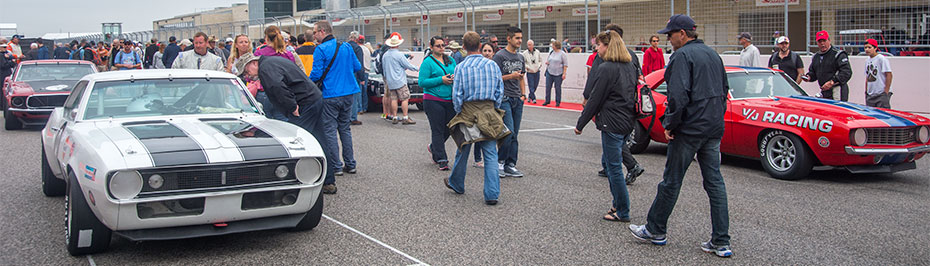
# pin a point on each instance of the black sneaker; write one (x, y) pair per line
(491, 202)
(633, 174)
(330, 189)
(444, 166)
(352, 170)
(602, 173)
(511, 171)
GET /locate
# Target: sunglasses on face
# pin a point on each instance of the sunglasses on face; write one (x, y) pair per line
(654, 41)
(439, 45)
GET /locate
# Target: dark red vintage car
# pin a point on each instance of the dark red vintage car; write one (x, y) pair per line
(770, 118)
(37, 87)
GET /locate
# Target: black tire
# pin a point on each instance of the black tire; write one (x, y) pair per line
(312, 218)
(785, 156)
(10, 121)
(419, 106)
(79, 217)
(639, 139)
(51, 185)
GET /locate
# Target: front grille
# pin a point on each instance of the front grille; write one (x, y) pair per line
(213, 177)
(46, 101)
(891, 136)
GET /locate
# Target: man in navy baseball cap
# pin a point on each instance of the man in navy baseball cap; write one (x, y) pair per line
(678, 22)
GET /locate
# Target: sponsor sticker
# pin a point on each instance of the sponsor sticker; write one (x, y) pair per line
(823, 141)
(789, 119)
(90, 172)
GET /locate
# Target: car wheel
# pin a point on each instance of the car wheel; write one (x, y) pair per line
(312, 217)
(84, 233)
(785, 156)
(638, 140)
(10, 121)
(51, 185)
(419, 106)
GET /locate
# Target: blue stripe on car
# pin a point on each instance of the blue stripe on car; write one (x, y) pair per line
(891, 120)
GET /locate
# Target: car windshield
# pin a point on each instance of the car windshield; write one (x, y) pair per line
(760, 85)
(154, 97)
(36, 72)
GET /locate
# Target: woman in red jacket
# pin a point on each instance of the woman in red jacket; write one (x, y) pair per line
(654, 59)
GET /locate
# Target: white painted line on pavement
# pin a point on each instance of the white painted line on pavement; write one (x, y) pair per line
(546, 129)
(91, 261)
(418, 262)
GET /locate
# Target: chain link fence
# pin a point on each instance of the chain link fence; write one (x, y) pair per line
(901, 26)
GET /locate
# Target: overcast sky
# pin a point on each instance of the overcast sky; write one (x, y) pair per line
(35, 18)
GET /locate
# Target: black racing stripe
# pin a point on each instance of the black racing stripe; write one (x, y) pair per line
(167, 144)
(253, 142)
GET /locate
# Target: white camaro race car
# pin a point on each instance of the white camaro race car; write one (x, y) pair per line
(169, 154)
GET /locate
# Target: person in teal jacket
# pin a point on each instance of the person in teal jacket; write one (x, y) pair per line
(436, 80)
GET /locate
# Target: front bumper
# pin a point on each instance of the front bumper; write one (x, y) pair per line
(885, 151)
(881, 169)
(193, 231)
(31, 117)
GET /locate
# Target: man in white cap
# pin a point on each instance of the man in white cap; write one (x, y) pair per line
(786, 60)
(395, 65)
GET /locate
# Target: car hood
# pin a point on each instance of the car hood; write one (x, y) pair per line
(197, 140)
(852, 114)
(44, 86)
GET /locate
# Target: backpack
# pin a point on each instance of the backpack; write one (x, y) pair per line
(95, 58)
(645, 104)
(378, 68)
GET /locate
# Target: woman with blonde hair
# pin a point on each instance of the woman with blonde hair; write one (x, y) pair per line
(241, 46)
(612, 103)
(276, 45)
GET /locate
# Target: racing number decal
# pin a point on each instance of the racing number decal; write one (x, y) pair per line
(794, 120)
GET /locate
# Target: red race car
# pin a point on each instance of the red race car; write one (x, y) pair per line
(37, 87)
(770, 118)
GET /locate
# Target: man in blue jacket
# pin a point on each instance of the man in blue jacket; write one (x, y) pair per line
(336, 75)
(171, 52)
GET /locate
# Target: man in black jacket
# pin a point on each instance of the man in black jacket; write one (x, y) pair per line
(289, 89)
(693, 121)
(830, 68)
(359, 75)
(150, 50)
(6, 68)
(171, 52)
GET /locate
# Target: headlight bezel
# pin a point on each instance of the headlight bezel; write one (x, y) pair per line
(858, 137)
(309, 170)
(124, 184)
(923, 134)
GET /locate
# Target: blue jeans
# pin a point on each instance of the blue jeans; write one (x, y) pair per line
(613, 145)
(513, 114)
(439, 114)
(363, 104)
(269, 108)
(353, 114)
(492, 182)
(628, 161)
(681, 151)
(310, 120)
(557, 80)
(532, 81)
(336, 123)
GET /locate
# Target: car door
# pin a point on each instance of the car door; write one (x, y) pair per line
(59, 125)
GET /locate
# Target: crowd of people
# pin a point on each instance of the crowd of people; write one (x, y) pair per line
(475, 94)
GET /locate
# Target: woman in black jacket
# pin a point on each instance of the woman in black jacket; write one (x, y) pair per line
(611, 105)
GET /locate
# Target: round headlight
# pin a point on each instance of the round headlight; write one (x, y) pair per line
(281, 171)
(156, 181)
(923, 134)
(125, 184)
(858, 137)
(309, 170)
(18, 101)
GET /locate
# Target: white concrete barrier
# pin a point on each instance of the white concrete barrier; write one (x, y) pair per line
(910, 85)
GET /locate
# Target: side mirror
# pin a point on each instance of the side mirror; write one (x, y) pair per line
(72, 114)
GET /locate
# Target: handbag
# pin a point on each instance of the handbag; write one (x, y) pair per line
(319, 83)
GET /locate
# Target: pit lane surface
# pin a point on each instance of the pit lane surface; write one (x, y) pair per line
(550, 217)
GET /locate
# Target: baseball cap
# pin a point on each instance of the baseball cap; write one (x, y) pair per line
(744, 35)
(822, 35)
(782, 39)
(872, 42)
(229, 39)
(678, 22)
(16, 36)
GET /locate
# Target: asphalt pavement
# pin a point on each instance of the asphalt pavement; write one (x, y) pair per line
(396, 211)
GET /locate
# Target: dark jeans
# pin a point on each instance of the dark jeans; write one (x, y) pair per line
(492, 181)
(628, 161)
(361, 99)
(550, 79)
(269, 108)
(309, 120)
(681, 151)
(532, 80)
(613, 144)
(513, 114)
(336, 123)
(439, 114)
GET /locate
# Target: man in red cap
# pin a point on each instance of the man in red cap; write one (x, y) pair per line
(878, 77)
(830, 68)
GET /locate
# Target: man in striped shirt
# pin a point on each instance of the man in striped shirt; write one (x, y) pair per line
(476, 85)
